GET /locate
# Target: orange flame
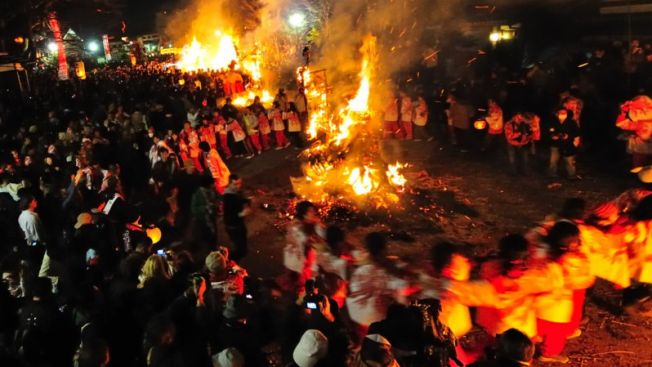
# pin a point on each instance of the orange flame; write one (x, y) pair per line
(357, 110)
(395, 177)
(361, 181)
(213, 56)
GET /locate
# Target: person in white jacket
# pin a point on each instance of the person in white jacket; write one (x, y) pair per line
(375, 285)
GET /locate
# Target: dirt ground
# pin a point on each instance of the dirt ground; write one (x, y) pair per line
(469, 198)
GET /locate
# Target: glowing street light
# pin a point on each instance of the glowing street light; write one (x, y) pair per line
(52, 47)
(297, 20)
(494, 36)
(93, 46)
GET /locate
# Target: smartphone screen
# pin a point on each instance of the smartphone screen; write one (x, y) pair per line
(311, 305)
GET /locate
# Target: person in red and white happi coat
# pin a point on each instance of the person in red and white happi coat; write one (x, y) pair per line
(253, 136)
(294, 125)
(636, 117)
(239, 135)
(496, 124)
(207, 133)
(407, 113)
(264, 126)
(276, 117)
(559, 310)
(303, 235)
(215, 166)
(222, 131)
(506, 294)
(390, 127)
(265, 130)
(421, 121)
(375, 285)
(190, 141)
(449, 264)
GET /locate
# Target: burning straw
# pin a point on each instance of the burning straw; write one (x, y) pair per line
(343, 163)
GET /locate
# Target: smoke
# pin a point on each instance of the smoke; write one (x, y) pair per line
(200, 18)
(405, 30)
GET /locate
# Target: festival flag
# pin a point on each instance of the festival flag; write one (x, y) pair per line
(107, 47)
(61, 57)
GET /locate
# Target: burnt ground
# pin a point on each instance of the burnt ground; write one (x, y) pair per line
(469, 198)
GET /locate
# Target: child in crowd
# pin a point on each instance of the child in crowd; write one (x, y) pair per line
(208, 134)
(276, 116)
(294, 124)
(265, 130)
(253, 139)
(190, 145)
(239, 137)
(406, 116)
(223, 131)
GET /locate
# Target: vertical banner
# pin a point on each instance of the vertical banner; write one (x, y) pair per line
(107, 47)
(61, 56)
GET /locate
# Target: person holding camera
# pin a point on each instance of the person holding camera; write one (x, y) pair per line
(519, 138)
(565, 138)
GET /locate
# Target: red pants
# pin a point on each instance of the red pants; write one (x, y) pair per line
(553, 337)
(392, 130)
(406, 127)
(267, 140)
(224, 145)
(255, 142)
(281, 140)
(578, 309)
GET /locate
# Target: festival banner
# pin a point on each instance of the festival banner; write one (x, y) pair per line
(107, 47)
(58, 38)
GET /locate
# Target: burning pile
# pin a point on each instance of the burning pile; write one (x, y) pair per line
(344, 163)
(221, 55)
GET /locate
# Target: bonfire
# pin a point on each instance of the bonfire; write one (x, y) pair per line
(221, 54)
(343, 163)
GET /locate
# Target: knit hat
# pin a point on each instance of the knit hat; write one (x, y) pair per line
(215, 262)
(229, 357)
(312, 347)
(82, 219)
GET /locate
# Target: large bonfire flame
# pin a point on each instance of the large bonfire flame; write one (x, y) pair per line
(344, 160)
(221, 54)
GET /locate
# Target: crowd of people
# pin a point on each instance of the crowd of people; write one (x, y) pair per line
(113, 192)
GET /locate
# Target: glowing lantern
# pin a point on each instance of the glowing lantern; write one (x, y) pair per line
(80, 70)
(480, 124)
(182, 82)
(154, 234)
